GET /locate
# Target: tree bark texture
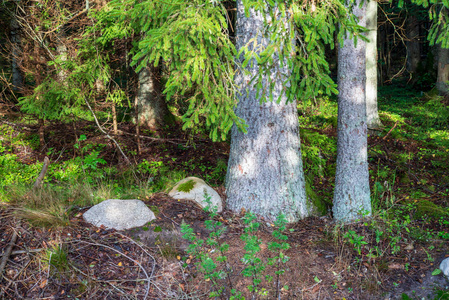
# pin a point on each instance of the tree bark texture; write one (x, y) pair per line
(17, 79)
(443, 71)
(412, 43)
(372, 114)
(265, 172)
(352, 193)
(61, 50)
(152, 108)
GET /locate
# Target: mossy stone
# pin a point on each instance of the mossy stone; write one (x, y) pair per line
(186, 186)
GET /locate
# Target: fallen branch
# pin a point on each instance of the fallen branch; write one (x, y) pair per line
(7, 254)
(171, 141)
(388, 133)
(20, 126)
(14, 279)
(41, 176)
(140, 246)
(25, 251)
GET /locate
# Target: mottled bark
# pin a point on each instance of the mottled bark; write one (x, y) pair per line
(152, 109)
(443, 71)
(17, 79)
(412, 43)
(61, 50)
(265, 172)
(352, 193)
(372, 114)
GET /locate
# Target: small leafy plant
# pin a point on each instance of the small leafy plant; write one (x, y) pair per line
(356, 240)
(216, 267)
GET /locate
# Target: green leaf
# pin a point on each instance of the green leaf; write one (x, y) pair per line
(436, 272)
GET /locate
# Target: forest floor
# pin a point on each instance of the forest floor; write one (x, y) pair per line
(84, 262)
(57, 255)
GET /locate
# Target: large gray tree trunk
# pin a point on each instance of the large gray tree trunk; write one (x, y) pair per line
(153, 111)
(372, 114)
(265, 172)
(352, 193)
(17, 79)
(443, 71)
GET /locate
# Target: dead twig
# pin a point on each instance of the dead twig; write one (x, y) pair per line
(14, 279)
(171, 141)
(105, 133)
(41, 176)
(7, 254)
(24, 251)
(148, 278)
(388, 133)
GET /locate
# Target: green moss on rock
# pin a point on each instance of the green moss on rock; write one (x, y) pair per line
(186, 186)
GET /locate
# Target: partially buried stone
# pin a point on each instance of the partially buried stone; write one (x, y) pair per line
(119, 214)
(196, 190)
(444, 266)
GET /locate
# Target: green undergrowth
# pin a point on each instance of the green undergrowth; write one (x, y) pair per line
(408, 159)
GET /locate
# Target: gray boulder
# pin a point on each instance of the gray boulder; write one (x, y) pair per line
(119, 214)
(195, 189)
(444, 266)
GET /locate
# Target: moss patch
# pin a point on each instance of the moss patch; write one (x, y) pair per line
(186, 186)
(318, 204)
(430, 209)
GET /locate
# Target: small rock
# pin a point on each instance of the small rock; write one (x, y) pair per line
(444, 266)
(195, 189)
(119, 214)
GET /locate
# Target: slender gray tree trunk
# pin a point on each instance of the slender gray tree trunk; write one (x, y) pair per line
(61, 50)
(265, 172)
(372, 114)
(412, 43)
(152, 109)
(443, 71)
(17, 79)
(352, 193)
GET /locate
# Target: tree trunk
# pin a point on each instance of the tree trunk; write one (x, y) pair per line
(443, 71)
(114, 118)
(412, 43)
(265, 173)
(61, 50)
(17, 79)
(352, 193)
(381, 47)
(153, 111)
(372, 115)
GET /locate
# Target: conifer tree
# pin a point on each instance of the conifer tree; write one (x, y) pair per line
(352, 192)
(265, 166)
(372, 114)
(265, 172)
